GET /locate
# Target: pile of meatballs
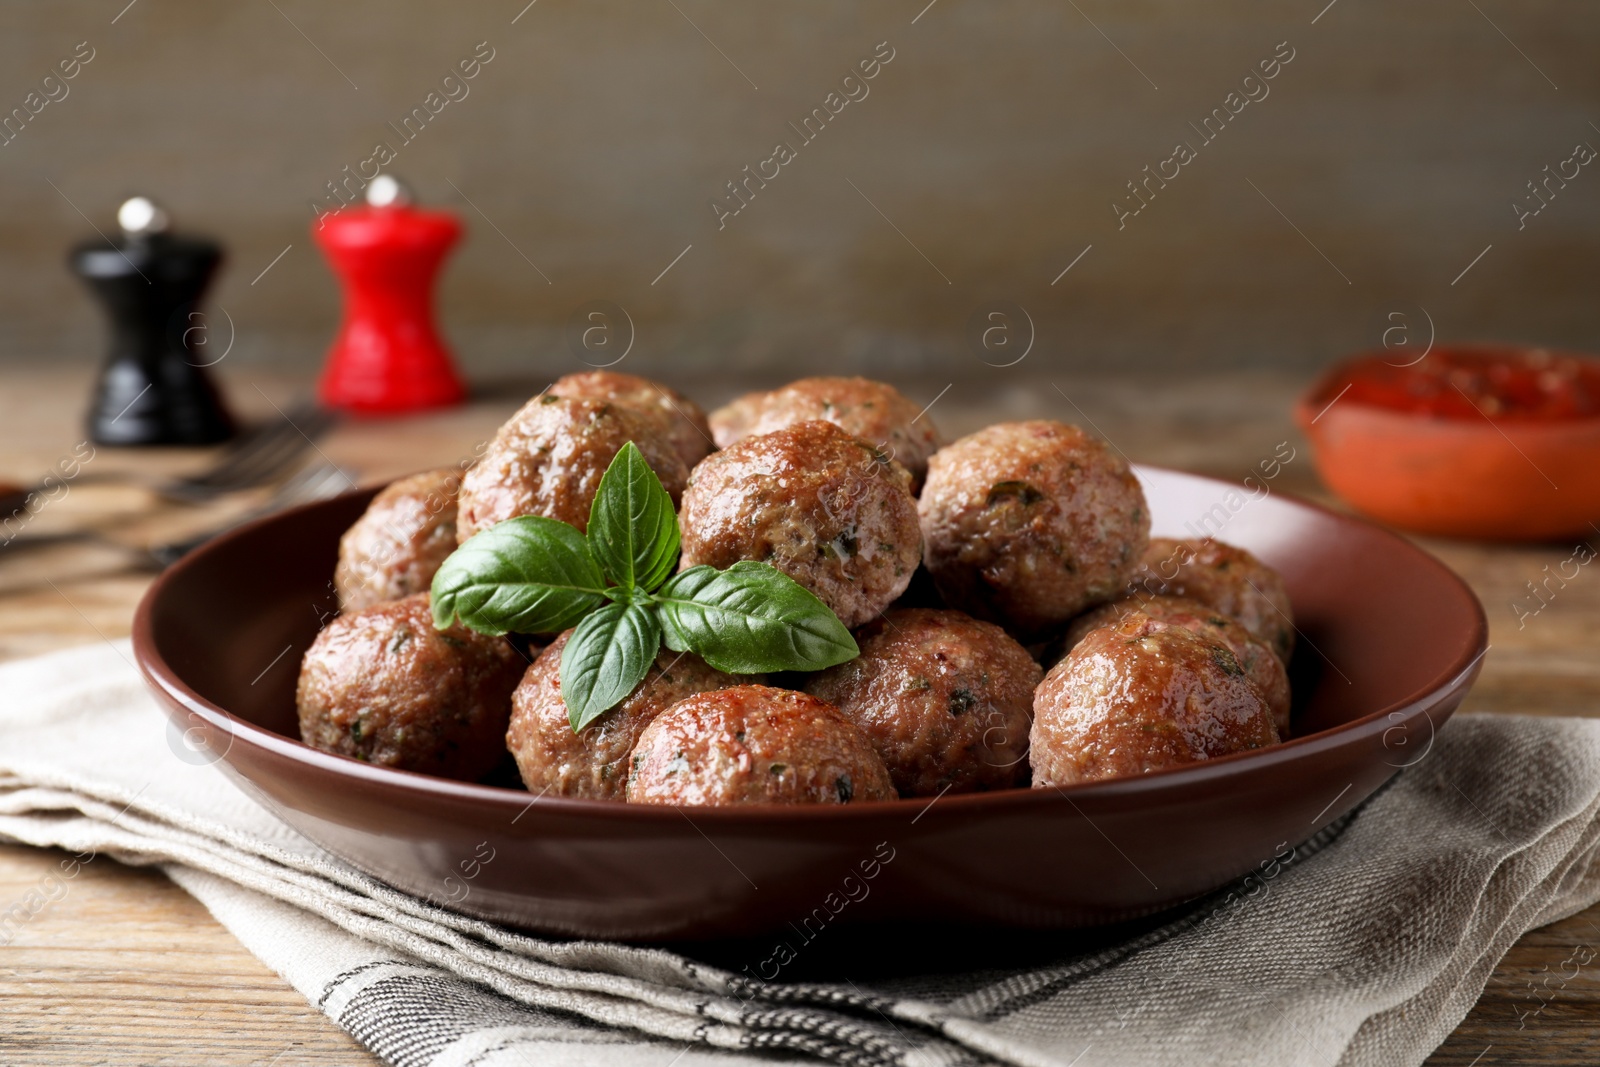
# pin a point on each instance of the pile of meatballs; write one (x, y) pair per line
(1017, 624)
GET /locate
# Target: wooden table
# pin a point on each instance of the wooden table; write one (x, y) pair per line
(126, 968)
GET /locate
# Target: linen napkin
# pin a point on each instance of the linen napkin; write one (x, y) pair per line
(1365, 945)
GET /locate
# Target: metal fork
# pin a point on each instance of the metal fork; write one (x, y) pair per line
(317, 482)
(255, 459)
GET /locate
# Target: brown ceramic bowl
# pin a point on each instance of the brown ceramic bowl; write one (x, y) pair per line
(1391, 640)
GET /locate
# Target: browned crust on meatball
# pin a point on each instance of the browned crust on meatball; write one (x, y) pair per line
(1134, 697)
(1224, 577)
(873, 411)
(593, 763)
(548, 460)
(680, 420)
(1260, 663)
(397, 545)
(1028, 523)
(827, 509)
(946, 700)
(383, 686)
(753, 744)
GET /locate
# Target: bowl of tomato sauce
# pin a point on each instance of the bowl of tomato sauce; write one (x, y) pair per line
(1474, 441)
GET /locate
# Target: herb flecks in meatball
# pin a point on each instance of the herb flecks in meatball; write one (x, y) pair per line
(1260, 663)
(593, 762)
(1224, 577)
(1135, 697)
(829, 510)
(875, 412)
(680, 420)
(394, 549)
(947, 700)
(1028, 523)
(382, 685)
(753, 744)
(548, 460)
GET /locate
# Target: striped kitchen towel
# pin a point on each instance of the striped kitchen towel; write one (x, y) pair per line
(1365, 945)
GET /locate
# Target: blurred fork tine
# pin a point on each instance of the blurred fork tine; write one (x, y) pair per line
(259, 455)
(316, 482)
(237, 469)
(296, 433)
(256, 459)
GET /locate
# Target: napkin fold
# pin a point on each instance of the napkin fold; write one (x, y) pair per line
(1366, 944)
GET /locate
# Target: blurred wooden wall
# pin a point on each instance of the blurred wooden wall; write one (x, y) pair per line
(985, 157)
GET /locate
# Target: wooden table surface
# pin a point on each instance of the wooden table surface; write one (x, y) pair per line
(127, 968)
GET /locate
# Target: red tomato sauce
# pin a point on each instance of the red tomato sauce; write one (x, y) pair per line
(1510, 384)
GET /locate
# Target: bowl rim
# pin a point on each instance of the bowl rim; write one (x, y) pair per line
(160, 675)
(1312, 404)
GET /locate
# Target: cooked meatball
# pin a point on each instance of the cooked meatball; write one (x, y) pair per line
(1222, 577)
(382, 685)
(549, 458)
(753, 744)
(827, 509)
(394, 549)
(594, 762)
(1028, 523)
(1260, 663)
(1134, 697)
(877, 413)
(681, 422)
(946, 700)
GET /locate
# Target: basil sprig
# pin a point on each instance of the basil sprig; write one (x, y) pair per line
(742, 621)
(616, 586)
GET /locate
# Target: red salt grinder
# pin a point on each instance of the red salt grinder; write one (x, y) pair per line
(388, 357)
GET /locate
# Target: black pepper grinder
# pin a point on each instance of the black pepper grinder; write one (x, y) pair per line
(154, 389)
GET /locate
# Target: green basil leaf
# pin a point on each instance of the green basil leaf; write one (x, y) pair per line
(633, 530)
(605, 658)
(527, 575)
(751, 618)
